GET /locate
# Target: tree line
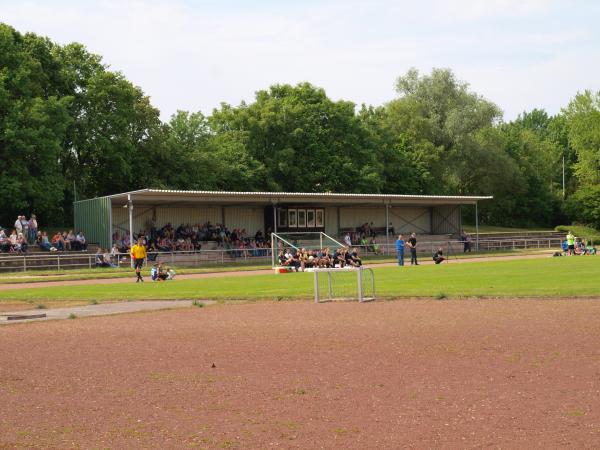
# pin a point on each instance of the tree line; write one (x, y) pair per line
(72, 128)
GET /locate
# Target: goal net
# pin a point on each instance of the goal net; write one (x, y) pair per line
(344, 284)
(297, 241)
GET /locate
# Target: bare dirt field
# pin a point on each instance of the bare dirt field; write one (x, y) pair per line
(401, 374)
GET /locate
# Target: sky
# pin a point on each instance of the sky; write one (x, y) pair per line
(193, 55)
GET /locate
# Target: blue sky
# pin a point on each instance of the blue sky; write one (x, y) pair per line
(192, 55)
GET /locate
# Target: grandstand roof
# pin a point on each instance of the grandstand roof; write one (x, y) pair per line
(161, 196)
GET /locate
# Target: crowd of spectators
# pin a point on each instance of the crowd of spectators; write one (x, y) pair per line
(302, 259)
(188, 237)
(575, 246)
(26, 234)
(365, 236)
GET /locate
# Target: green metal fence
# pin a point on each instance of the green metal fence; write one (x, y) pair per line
(93, 217)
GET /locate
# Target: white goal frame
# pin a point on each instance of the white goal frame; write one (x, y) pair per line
(330, 294)
(289, 236)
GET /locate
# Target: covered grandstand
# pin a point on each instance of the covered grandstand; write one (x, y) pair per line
(332, 213)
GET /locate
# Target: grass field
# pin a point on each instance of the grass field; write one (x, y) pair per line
(125, 271)
(548, 277)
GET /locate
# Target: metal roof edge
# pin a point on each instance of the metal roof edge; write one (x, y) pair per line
(295, 194)
(307, 194)
(113, 195)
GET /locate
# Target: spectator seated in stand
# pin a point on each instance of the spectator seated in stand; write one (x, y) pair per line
(44, 242)
(22, 243)
(4, 241)
(57, 241)
(374, 246)
(81, 243)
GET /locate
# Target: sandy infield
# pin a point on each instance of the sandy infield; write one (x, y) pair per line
(402, 374)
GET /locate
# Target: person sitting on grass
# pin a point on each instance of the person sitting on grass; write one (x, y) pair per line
(170, 273)
(438, 257)
(283, 261)
(338, 258)
(580, 247)
(355, 258)
(565, 247)
(162, 273)
(591, 250)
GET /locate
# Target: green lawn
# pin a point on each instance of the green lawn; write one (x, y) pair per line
(548, 277)
(125, 271)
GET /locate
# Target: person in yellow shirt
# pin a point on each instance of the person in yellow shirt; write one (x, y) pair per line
(138, 254)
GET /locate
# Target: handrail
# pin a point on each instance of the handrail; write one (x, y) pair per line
(61, 260)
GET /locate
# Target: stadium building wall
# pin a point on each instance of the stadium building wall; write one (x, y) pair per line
(332, 225)
(446, 220)
(250, 218)
(438, 220)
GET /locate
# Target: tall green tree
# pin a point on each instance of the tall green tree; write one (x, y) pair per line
(305, 141)
(33, 122)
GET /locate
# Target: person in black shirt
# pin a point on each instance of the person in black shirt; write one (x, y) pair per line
(412, 244)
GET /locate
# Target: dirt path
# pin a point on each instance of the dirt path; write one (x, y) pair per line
(43, 284)
(103, 309)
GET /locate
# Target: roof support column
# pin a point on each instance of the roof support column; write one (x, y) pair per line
(476, 227)
(130, 208)
(110, 224)
(387, 228)
(274, 218)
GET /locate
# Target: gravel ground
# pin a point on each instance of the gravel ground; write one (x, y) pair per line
(401, 374)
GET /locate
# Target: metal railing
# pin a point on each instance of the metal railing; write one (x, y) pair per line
(65, 261)
(223, 256)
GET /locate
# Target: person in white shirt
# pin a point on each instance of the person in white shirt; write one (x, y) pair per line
(347, 240)
(18, 225)
(71, 239)
(81, 241)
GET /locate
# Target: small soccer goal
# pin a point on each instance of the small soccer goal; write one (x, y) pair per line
(344, 284)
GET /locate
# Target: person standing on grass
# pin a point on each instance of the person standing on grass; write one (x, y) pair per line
(412, 244)
(138, 254)
(400, 249)
(571, 243)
